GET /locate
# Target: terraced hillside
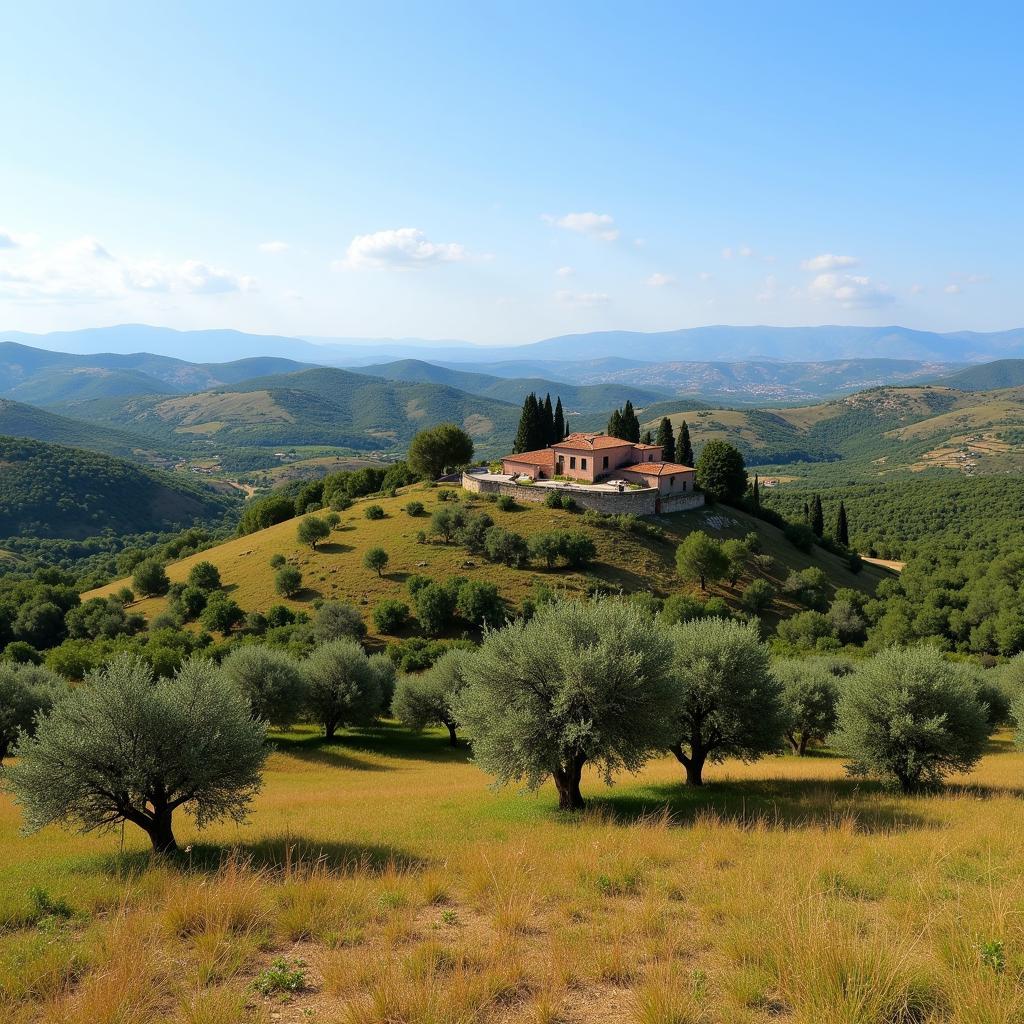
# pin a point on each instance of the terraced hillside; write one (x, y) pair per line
(335, 569)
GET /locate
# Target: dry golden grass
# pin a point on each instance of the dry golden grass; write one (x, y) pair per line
(412, 893)
(335, 570)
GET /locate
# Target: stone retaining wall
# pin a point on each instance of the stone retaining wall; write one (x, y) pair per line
(643, 502)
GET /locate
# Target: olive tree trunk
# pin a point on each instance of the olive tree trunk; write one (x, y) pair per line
(693, 763)
(567, 782)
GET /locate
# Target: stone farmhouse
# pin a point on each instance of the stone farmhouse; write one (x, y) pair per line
(601, 472)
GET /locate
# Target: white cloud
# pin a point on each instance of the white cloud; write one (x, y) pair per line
(851, 291)
(83, 270)
(743, 252)
(769, 289)
(565, 272)
(568, 298)
(8, 240)
(398, 249)
(596, 225)
(276, 246)
(952, 289)
(829, 261)
(658, 280)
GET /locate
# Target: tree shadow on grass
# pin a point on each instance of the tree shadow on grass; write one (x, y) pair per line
(277, 855)
(333, 548)
(776, 803)
(320, 750)
(385, 739)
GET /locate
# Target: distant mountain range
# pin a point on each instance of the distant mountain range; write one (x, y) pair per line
(718, 343)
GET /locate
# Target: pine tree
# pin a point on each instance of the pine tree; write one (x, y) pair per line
(667, 440)
(549, 422)
(842, 527)
(684, 449)
(817, 517)
(755, 494)
(559, 421)
(630, 423)
(615, 425)
(648, 437)
(807, 513)
(530, 435)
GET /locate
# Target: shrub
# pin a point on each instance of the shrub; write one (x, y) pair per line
(390, 616)
(505, 546)
(376, 559)
(128, 747)
(150, 579)
(343, 688)
(506, 503)
(549, 696)
(288, 581)
(758, 596)
(414, 508)
(800, 535)
(338, 620)
(374, 512)
(204, 576)
(681, 608)
(435, 607)
(25, 692)
(426, 700)
(809, 587)
(480, 604)
(908, 716)
(270, 680)
(473, 532)
(728, 701)
(312, 530)
(189, 602)
(808, 631)
(276, 561)
(221, 613)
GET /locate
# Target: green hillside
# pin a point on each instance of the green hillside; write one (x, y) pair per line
(20, 420)
(631, 562)
(1001, 373)
(49, 490)
(316, 406)
(576, 398)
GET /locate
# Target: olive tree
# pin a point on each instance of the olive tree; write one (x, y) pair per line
(427, 699)
(128, 747)
(700, 557)
(338, 620)
(25, 692)
(271, 681)
(344, 688)
(809, 698)
(577, 684)
(436, 449)
(312, 530)
(728, 701)
(909, 717)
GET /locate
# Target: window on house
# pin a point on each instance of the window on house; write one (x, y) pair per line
(671, 481)
(605, 462)
(572, 461)
(583, 463)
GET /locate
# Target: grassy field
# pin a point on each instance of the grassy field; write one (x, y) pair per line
(335, 569)
(412, 893)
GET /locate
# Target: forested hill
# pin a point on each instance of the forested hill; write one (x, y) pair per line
(53, 491)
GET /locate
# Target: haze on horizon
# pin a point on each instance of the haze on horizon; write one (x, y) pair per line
(507, 173)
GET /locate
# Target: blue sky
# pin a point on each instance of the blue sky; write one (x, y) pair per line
(506, 172)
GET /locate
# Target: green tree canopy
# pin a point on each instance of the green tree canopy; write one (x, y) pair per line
(810, 694)
(721, 473)
(684, 447)
(25, 692)
(128, 747)
(909, 717)
(426, 699)
(312, 530)
(578, 684)
(437, 449)
(271, 681)
(338, 620)
(700, 557)
(728, 701)
(205, 576)
(344, 690)
(376, 559)
(150, 578)
(667, 439)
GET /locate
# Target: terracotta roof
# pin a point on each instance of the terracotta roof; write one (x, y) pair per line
(542, 457)
(647, 447)
(590, 442)
(655, 468)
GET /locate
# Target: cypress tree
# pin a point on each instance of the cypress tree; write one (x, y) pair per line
(684, 449)
(549, 422)
(755, 494)
(817, 517)
(842, 527)
(648, 437)
(667, 440)
(807, 513)
(630, 423)
(559, 421)
(530, 435)
(615, 425)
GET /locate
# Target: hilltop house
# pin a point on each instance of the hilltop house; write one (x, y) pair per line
(598, 458)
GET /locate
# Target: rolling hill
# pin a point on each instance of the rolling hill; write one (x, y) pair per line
(319, 406)
(575, 398)
(42, 377)
(1002, 373)
(55, 491)
(625, 561)
(20, 420)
